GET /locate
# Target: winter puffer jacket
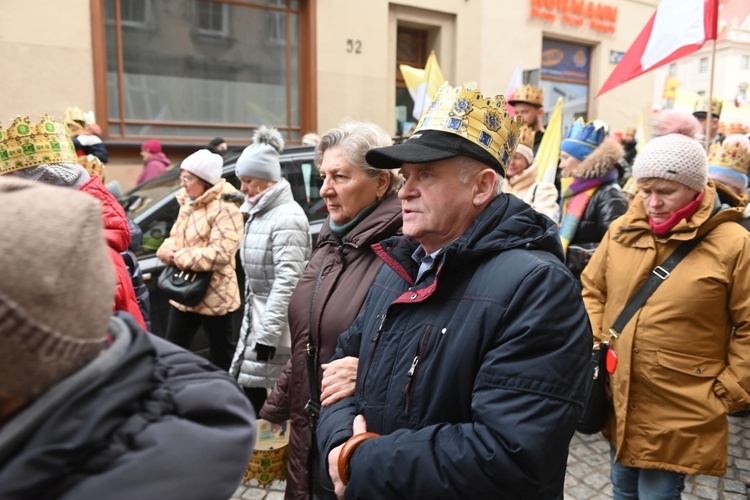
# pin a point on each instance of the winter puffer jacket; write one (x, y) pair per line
(205, 237)
(328, 297)
(117, 233)
(684, 357)
(473, 377)
(144, 419)
(274, 253)
(608, 202)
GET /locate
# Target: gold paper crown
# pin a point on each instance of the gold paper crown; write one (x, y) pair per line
(23, 145)
(93, 165)
(526, 136)
(74, 115)
(483, 121)
(701, 106)
(528, 94)
(733, 156)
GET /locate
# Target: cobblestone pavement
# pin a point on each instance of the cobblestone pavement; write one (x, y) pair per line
(588, 472)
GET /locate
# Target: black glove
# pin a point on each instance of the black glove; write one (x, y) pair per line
(265, 352)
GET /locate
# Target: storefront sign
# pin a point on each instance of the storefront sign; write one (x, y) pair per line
(596, 15)
(565, 61)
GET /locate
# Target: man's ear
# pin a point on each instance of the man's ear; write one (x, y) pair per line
(484, 187)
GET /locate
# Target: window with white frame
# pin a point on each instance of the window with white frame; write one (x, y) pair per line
(703, 65)
(213, 18)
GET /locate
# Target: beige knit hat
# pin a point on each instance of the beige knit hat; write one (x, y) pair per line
(674, 157)
(57, 285)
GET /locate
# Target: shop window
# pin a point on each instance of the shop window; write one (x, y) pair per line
(212, 68)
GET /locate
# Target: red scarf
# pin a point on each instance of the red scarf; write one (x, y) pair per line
(662, 228)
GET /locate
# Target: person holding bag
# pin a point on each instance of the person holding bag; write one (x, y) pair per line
(205, 238)
(680, 362)
(274, 252)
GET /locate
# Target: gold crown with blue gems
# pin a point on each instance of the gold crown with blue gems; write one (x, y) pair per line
(25, 145)
(484, 121)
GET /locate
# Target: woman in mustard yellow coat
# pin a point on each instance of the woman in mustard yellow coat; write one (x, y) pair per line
(684, 357)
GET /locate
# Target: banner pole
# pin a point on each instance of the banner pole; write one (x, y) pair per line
(710, 101)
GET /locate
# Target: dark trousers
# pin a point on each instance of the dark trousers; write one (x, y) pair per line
(257, 396)
(182, 327)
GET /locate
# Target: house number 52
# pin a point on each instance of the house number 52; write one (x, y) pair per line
(354, 46)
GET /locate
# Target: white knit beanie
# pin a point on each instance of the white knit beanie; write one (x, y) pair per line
(674, 157)
(205, 165)
(57, 288)
(526, 152)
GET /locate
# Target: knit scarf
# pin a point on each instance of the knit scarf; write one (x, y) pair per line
(576, 195)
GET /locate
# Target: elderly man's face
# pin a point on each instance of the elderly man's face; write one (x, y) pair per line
(437, 207)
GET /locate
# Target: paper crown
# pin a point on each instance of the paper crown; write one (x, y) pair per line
(484, 121)
(526, 136)
(591, 133)
(701, 106)
(93, 165)
(23, 145)
(733, 156)
(528, 94)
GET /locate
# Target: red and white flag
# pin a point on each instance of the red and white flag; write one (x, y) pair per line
(677, 28)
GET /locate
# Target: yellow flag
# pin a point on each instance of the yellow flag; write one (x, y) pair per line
(670, 87)
(422, 83)
(548, 154)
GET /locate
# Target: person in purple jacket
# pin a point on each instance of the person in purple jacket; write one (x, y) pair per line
(155, 162)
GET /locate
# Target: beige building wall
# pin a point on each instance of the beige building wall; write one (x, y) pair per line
(473, 40)
(47, 58)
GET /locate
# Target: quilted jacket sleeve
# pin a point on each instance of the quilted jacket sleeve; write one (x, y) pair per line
(225, 235)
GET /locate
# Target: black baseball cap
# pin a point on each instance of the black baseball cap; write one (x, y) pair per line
(426, 146)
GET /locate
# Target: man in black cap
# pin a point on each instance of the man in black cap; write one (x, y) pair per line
(473, 338)
(700, 111)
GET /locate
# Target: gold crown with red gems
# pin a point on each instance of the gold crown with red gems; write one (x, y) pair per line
(528, 94)
(25, 145)
(733, 156)
(526, 136)
(484, 121)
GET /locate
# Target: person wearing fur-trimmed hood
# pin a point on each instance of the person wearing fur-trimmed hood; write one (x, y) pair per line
(591, 198)
(274, 252)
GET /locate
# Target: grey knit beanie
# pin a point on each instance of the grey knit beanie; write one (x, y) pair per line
(58, 174)
(205, 165)
(674, 157)
(260, 160)
(57, 288)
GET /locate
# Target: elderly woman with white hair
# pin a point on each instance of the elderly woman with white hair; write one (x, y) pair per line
(682, 362)
(363, 210)
(521, 179)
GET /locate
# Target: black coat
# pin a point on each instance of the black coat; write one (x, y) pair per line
(145, 419)
(473, 376)
(607, 204)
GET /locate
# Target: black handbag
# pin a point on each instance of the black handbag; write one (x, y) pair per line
(597, 401)
(185, 287)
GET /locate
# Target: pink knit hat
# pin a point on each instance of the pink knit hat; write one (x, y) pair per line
(152, 146)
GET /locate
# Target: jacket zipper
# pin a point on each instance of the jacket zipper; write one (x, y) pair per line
(373, 345)
(410, 375)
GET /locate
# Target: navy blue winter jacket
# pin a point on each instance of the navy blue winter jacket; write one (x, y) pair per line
(473, 376)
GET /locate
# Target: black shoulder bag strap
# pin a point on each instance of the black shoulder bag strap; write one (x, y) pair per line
(656, 278)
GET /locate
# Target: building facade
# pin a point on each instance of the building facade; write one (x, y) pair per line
(185, 71)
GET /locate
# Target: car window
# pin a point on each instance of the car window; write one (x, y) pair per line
(305, 182)
(140, 199)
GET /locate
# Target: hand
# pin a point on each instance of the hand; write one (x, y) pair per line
(265, 352)
(358, 427)
(167, 256)
(339, 379)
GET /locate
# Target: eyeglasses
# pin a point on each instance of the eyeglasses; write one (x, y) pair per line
(186, 179)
